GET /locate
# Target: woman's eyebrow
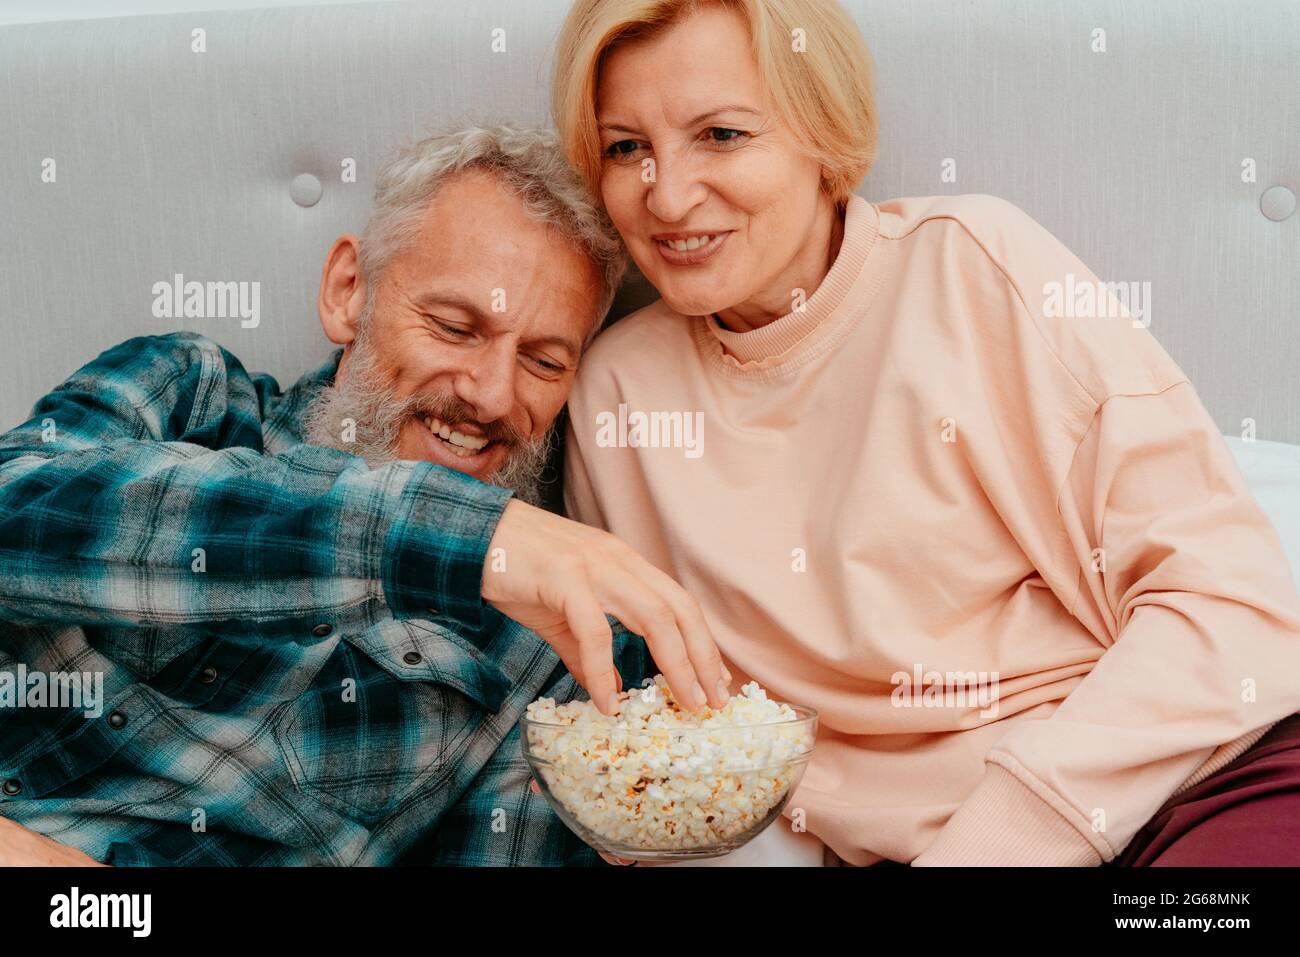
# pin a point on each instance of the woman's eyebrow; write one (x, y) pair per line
(615, 127)
(707, 115)
(710, 114)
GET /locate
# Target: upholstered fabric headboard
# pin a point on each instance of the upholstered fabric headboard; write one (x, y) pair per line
(1160, 140)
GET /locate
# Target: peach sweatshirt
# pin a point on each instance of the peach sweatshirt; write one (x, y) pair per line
(1005, 554)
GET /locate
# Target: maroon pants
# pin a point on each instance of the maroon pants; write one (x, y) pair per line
(1245, 814)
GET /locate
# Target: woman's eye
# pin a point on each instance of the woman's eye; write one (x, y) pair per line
(723, 136)
(622, 149)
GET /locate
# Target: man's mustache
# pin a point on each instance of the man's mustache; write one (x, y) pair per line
(453, 411)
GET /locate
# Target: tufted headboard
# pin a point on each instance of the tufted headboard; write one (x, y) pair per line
(1159, 140)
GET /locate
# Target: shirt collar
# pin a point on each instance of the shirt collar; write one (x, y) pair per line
(283, 421)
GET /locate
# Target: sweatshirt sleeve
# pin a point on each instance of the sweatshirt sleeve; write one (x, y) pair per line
(1185, 582)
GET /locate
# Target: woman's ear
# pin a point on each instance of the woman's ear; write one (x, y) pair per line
(342, 295)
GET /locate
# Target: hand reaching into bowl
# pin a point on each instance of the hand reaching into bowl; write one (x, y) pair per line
(560, 578)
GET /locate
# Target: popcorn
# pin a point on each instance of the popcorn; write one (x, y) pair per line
(656, 777)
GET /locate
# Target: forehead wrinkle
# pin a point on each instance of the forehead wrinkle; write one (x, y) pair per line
(687, 52)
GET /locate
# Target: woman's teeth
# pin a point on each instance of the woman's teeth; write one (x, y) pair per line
(460, 443)
(682, 245)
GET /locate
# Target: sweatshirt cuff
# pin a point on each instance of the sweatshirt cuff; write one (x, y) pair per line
(1005, 824)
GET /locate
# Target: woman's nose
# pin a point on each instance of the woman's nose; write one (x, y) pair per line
(674, 191)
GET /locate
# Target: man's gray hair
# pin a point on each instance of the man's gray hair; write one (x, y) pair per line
(528, 161)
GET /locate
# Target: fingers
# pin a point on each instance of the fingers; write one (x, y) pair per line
(700, 645)
(611, 859)
(565, 577)
(645, 612)
(595, 646)
(673, 628)
(566, 646)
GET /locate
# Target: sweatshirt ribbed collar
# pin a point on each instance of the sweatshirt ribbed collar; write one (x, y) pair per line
(783, 334)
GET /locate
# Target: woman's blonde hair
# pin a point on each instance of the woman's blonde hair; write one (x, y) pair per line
(813, 59)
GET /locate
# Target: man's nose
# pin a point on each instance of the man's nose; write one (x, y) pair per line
(675, 190)
(487, 384)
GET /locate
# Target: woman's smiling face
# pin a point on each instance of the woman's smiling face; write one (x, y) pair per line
(716, 204)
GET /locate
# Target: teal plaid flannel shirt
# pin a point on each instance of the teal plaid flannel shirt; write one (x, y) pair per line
(296, 664)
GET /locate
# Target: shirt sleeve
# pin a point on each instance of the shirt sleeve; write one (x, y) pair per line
(138, 493)
(1185, 582)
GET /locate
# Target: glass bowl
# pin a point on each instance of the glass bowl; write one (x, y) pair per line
(669, 794)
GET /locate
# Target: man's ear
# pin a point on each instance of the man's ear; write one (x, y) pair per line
(342, 291)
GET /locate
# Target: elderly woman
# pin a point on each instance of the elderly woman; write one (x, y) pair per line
(1005, 553)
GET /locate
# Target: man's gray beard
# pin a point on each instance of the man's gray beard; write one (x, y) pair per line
(378, 418)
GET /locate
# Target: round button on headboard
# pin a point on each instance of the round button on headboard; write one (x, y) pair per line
(306, 189)
(1277, 203)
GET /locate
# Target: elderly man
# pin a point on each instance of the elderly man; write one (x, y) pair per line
(315, 617)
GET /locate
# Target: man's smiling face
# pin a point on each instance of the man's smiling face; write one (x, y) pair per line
(474, 332)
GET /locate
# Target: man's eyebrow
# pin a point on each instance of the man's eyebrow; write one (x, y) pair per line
(439, 297)
(564, 342)
(707, 114)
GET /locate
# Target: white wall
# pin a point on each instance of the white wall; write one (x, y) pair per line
(38, 11)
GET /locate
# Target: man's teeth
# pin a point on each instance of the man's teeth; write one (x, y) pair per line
(682, 245)
(470, 444)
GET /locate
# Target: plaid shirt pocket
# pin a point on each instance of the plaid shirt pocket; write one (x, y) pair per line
(391, 713)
